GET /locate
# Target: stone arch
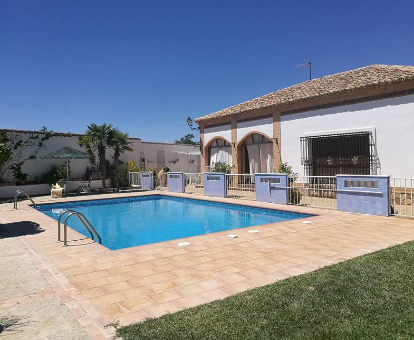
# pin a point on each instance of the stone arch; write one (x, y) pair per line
(214, 139)
(253, 133)
(227, 148)
(262, 154)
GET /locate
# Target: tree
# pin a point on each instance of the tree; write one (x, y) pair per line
(96, 139)
(120, 142)
(187, 139)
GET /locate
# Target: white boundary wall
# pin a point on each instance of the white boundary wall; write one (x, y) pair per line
(391, 119)
(175, 161)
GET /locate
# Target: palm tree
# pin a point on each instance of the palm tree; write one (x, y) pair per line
(120, 142)
(96, 139)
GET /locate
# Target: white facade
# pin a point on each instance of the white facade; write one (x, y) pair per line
(222, 131)
(390, 120)
(264, 126)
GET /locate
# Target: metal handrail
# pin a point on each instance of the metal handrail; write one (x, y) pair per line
(65, 227)
(27, 195)
(88, 226)
(60, 217)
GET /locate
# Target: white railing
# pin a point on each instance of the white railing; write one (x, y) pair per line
(162, 181)
(134, 179)
(313, 191)
(402, 197)
(240, 186)
(193, 183)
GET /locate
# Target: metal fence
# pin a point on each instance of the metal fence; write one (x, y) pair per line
(161, 182)
(402, 197)
(134, 179)
(240, 186)
(193, 183)
(313, 191)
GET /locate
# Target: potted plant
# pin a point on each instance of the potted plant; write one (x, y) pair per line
(355, 160)
(329, 160)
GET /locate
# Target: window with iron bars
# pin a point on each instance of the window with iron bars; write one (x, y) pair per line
(345, 153)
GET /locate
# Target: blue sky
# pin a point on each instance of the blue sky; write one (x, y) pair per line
(144, 66)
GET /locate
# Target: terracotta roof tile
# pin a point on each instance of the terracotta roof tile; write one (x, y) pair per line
(333, 84)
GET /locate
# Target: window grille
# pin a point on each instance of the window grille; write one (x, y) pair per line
(345, 153)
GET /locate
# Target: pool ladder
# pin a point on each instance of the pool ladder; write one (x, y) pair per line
(81, 217)
(18, 192)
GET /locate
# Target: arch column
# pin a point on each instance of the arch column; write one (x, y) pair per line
(234, 153)
(202, 150)
(276, 140)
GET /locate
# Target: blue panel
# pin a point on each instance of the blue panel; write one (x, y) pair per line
(215, 184)
(175, 182)
(147, 180)
(364, 194)
(271, 188)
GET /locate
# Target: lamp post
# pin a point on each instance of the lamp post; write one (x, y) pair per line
(190, 124)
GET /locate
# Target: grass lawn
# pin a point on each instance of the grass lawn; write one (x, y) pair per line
(370, 297)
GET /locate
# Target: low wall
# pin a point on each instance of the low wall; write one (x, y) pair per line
(44, 189)
(31, 189)
(271, 188)
(363, 194)
(215, 184)
(175, 182)
(147, 181)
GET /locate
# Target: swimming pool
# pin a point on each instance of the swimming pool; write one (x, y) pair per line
(128, 222)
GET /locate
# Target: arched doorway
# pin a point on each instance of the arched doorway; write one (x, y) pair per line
(219, 151)
(256, 154)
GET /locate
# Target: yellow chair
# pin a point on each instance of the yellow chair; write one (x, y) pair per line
(57, 190)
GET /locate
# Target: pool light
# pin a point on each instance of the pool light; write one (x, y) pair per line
(183, 244)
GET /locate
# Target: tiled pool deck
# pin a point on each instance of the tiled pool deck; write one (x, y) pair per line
(100, 286)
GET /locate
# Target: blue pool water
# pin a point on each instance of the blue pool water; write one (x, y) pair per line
(128, 222)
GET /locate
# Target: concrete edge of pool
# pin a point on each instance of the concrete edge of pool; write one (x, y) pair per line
(201, 201)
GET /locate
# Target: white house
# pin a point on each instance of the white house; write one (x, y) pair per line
(355, 122)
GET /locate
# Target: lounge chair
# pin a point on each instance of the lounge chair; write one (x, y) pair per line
(57, 190)
(85, 187)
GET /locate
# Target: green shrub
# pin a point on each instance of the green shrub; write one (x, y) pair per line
(122, 175)
(132, 166)
(62, 172)
(222, 167)
(294, 194)
(51, 177)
